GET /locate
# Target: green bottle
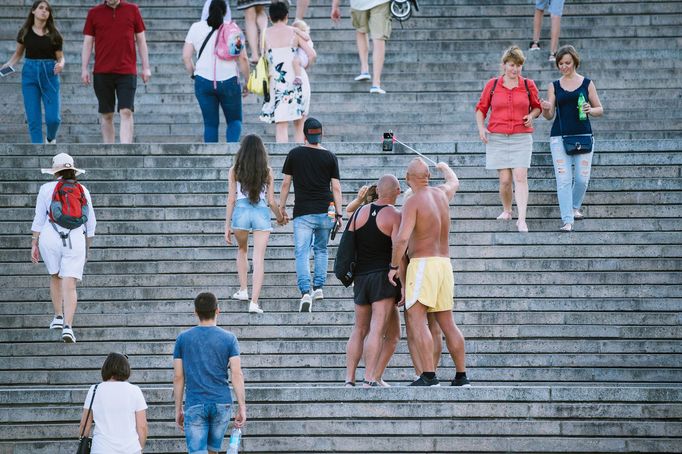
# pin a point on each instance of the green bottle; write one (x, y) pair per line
(581, 114)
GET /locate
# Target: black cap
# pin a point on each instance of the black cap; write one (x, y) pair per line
(312, 130)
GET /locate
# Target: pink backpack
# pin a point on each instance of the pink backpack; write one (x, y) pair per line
(228, 45)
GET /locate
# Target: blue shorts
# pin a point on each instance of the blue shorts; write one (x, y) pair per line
(247, 216)
(205, 427)
(555, 7)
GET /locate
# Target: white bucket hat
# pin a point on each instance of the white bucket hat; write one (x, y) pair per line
(62, 162)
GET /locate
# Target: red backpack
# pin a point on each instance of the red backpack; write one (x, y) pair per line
(69, 207)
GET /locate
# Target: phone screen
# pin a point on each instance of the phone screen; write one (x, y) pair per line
(6, 70)
(388, 135)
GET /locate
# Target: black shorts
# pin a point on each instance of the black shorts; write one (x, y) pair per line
(110, 87)
(373, 287)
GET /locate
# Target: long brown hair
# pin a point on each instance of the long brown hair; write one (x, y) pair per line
(251, 167)
(51, 29)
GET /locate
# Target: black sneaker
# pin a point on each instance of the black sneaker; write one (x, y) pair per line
(423, 381)
(461, 381)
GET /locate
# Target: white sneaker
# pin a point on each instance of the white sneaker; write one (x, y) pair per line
(318, 295)
(254, 308)
(57, 322)
(377, 90)
(241, 295)
(67, 335)
(362, 76)
(306, 303)
(51, 142)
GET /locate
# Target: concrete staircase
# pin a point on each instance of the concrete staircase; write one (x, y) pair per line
(574, 341)
(435, 69)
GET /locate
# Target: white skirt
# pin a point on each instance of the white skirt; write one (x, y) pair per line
(508, 151)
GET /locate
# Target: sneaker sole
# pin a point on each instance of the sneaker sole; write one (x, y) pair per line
(56, 326)
(360, 79)
(68, 339)
(305, 307)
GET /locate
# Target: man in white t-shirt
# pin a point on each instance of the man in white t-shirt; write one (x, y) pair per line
(371, 17)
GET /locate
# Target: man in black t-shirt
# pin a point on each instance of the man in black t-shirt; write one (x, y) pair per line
(315, 173)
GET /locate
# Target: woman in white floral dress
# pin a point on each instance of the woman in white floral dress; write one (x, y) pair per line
(288, 101)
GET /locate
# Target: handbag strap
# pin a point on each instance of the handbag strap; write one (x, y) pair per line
(205, 41)
(556, 101)
(89, 410)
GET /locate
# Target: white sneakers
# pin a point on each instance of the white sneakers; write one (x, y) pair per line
(57, 322)
(306, 303)
(318, 295)
(362, 76)
(254, 308)
(241, 295)
(67, 335)
(377, 90)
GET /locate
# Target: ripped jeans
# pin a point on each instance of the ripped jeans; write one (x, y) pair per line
(572, 174)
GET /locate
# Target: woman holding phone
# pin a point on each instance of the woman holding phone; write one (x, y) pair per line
(41, 43)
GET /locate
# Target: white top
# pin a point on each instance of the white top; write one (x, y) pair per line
(204, 12)
(41, 219)
(204, 67)
(114, 413)
(364, 5)
(241, 195)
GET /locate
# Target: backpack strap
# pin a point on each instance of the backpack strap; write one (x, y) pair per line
(490, 100)
(525, 82)
(63, 236)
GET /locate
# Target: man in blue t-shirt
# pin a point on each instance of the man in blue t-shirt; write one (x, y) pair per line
(200, 361)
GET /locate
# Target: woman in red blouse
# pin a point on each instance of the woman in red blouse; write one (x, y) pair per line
(508, 138)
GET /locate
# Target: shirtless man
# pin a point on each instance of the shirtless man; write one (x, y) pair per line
(429, 285)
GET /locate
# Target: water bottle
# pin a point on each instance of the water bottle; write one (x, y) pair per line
(235, 438)
(581, 113)
(331, 211)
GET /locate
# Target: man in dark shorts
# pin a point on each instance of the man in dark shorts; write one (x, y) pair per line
(114, 27)
(314, 171)
(377, 322)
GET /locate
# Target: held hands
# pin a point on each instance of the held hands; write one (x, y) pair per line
(483, 134)
(284, 216)
(528, 121)
(180, 420)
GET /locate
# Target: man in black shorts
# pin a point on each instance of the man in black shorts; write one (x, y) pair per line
(377, 322)
(114, 27)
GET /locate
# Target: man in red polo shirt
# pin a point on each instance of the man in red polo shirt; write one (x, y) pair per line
(114, 27)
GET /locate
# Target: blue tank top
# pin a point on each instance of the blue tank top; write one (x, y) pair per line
(568, 108)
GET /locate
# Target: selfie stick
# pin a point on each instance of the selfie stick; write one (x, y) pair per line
(410, 148)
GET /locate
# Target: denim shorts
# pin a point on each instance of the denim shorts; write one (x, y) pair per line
(205, 427)
(247, 216)
(555, 7)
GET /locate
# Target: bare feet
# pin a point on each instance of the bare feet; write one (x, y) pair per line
(522, 226)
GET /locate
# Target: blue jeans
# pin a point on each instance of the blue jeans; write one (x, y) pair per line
(572, 174)
(39, 84)
(228, 96)
(315, 229)
(205, 427)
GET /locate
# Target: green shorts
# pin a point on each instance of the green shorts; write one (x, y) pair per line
(375, 21)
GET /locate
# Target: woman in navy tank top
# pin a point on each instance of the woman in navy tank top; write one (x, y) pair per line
(572, 172)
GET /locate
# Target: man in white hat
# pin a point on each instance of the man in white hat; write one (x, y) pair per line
(62, 231)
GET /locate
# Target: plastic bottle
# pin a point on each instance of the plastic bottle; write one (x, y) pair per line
(235, 439)
(331, 211)
(581, 113)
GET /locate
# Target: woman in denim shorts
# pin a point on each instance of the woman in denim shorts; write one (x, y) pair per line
(250, 184)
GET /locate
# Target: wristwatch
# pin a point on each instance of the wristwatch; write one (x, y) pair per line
(393, 267)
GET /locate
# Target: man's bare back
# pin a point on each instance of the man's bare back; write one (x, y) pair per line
(430, 237)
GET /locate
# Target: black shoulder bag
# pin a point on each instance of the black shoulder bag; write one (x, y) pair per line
(85, 443)
(577, 144)
(204, 45)
(347, 254)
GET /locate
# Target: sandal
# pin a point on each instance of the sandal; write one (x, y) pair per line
(505, 216)
(349, 384)
(534, 43)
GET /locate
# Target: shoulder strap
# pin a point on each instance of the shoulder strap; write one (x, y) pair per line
(525, 82)
(205, 41)
(556, 102)
(490, 101)
(89, 410)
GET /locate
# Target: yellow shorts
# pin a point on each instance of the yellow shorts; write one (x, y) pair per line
(430, 281)
(375, 21)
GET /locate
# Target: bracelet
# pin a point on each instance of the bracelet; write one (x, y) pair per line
(393, 267)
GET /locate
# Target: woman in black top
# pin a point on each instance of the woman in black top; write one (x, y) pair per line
(40, 40)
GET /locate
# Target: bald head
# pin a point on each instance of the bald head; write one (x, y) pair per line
(418, 168)
(388, 188)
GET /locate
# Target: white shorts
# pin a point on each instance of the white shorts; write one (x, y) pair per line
(60, 259)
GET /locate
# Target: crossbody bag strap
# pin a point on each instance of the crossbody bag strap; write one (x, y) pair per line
(89, 410)
(204, 44)
(530, 104)
(556, 101)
